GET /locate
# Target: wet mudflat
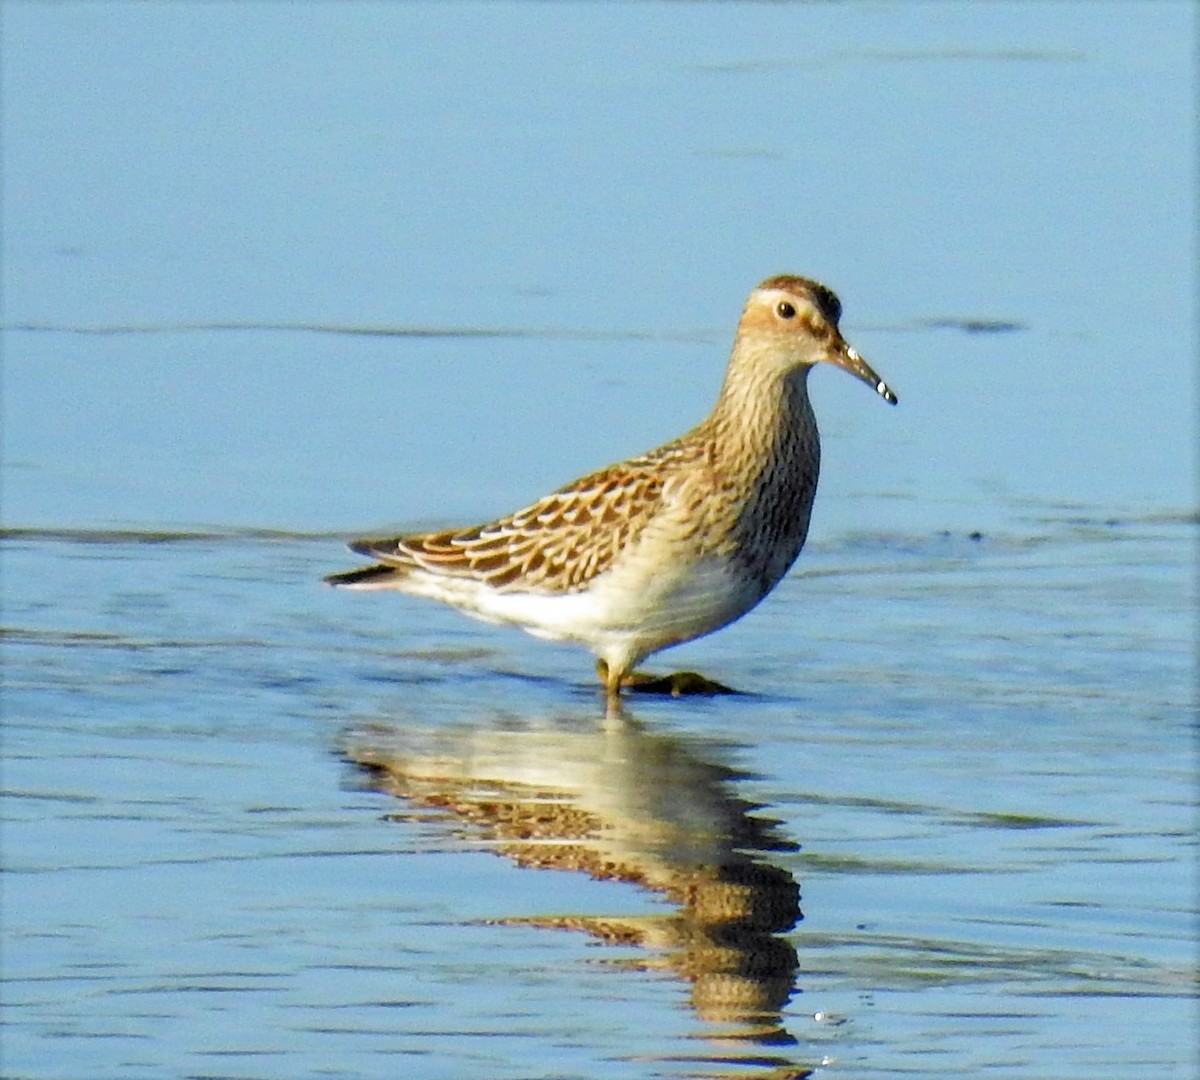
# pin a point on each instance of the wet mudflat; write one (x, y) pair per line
(253, 830)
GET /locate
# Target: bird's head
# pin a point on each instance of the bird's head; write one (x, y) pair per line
(791, 323)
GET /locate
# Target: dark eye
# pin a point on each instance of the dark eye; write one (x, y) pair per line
(785, 310)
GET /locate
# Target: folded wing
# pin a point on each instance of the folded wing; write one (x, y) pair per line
(556, 545)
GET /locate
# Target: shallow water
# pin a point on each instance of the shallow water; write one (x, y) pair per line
(989, 822)
(275, 274)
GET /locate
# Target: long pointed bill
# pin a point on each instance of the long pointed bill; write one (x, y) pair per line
(847, 358)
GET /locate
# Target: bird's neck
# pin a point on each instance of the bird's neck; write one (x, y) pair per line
(766, 456)
(763, 415)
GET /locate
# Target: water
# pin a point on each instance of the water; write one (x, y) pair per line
(990, 823)
(275, 274)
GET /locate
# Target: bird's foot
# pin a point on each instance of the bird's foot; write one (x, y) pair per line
(677, 684)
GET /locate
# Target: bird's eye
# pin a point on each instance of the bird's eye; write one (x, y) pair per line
(785, 310)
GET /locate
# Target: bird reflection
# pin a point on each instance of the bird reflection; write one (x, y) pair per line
(623, 803)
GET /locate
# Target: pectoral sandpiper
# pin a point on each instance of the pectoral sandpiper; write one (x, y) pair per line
(668, 546)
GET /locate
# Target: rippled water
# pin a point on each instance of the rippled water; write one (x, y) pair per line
(255, 830)
(278, 273)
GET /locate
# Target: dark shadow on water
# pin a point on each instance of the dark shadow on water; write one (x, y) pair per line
(620, 802)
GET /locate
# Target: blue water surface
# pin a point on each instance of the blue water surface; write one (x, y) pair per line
(276, 273)
(1002, 195)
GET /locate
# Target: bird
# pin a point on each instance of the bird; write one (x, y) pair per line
(668, 546)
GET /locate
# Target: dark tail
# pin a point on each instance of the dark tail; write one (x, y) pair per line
(369, 577)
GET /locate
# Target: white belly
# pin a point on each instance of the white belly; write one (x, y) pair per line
(624, 614)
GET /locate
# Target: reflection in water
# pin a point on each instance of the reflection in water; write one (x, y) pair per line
(621, 803)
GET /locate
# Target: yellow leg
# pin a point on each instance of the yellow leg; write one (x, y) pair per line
(613, 680)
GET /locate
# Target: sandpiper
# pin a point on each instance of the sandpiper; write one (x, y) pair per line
(668, 546)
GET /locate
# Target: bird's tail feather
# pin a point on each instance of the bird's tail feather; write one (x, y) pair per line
(367, 577)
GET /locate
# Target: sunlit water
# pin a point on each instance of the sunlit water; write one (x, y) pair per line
(976, 767)
(279, 273)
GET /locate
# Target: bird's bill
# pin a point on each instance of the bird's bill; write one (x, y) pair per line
(848, 359)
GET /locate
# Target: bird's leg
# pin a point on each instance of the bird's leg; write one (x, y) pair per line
(613, 679)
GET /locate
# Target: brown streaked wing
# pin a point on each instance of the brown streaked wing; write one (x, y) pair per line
(557, 544)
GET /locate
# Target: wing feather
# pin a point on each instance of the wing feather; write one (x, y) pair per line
(557, 544)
